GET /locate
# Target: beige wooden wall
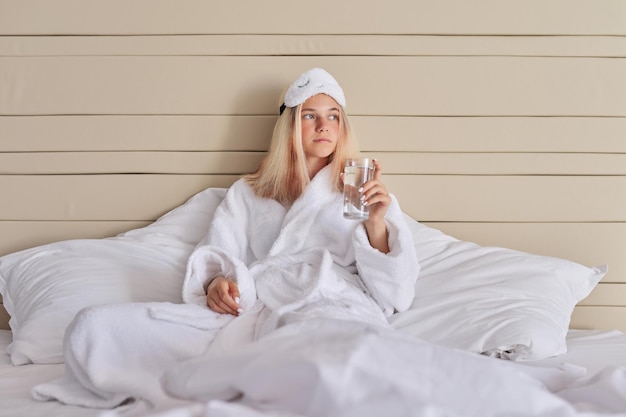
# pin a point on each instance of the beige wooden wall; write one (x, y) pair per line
(501, 122)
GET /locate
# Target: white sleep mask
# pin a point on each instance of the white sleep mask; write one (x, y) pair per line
(310, 83)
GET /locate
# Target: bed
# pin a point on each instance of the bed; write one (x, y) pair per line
(500, 134)
(475, 306)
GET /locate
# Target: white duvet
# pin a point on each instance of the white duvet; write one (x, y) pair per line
(341, 368)
(320, 346)
(316, 367)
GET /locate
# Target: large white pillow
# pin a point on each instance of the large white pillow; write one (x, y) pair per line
(44, 287)
(492, 300)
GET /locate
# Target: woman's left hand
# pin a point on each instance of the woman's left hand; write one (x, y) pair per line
(376, 196)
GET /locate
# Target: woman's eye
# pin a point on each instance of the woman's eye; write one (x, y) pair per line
(333, 117)
(308, 116)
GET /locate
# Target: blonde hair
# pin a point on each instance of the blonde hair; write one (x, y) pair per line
(283, 174)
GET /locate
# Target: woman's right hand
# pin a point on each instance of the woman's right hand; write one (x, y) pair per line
(222, 296)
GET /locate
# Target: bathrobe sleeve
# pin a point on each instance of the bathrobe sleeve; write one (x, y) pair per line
(224, 251)
(390, 277)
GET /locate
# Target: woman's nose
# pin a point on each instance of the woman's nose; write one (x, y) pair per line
(321, 126)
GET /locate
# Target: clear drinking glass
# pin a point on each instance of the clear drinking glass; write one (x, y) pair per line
(357, 172)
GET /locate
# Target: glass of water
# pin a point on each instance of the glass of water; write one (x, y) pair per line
(356, 172)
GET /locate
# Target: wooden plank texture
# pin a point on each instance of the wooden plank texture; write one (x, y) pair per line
(252, 133)
(130, 162)
(345, 45)
(606, 295)
(134, 197)
(599, 318)
(464, 86)
(501, 163)
(136, 133)
(445, 17)
(428, 198)
(243, 162)
(454, 198)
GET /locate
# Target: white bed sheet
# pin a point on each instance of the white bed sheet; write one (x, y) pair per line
(593, 350)
(16, 382)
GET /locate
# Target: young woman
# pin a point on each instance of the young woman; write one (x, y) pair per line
(289, 213)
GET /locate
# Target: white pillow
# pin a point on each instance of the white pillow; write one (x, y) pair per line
(491, 300)
(44, 287)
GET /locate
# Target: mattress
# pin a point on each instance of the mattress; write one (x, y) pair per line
(592, 350)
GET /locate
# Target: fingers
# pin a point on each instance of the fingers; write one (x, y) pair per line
(223, 296)
(374, 191)
(377, 169)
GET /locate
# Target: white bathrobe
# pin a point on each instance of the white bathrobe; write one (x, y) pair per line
(304, 262)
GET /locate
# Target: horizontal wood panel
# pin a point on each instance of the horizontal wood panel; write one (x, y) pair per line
(491, 134)
(607, 295)
(349, 16)
(501, 163)
(243, 162)
(136, 133)
(590, 244)
(133, 197)
(453, 198)
(600, 318)
(463, 86)
(347, 45)
(467, 198)
(28, 234)
(130, 162)
(252, 133)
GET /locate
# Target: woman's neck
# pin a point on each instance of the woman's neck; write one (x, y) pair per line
(315, 165)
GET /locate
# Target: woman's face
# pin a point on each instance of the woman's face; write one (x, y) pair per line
(320, 127)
